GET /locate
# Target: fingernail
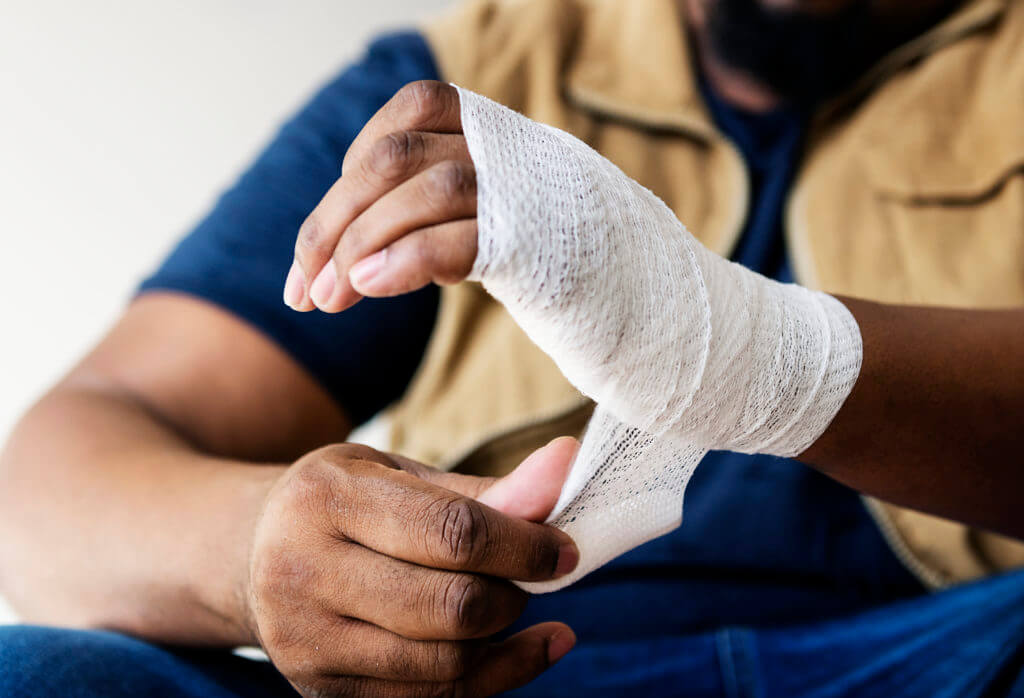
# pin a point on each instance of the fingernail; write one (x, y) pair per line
(575, 444)
(323, 285)
(568, 558)
(560, 644)
(361, 274)
(293, 287)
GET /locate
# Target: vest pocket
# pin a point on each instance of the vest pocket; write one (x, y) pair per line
(960, 235)
(974, 188)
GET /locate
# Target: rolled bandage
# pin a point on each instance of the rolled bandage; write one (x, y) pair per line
(682, 350)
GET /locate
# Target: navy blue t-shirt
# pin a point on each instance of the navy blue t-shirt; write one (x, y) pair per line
(764, 540)
(238, 256)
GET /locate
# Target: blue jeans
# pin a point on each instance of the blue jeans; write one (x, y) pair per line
(968, 641)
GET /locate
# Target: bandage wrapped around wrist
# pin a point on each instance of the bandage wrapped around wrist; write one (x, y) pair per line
(682, 350)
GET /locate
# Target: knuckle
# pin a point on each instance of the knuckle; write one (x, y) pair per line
(310, 486)
(283, 573)
(327, 469)
(450, 181)
(423, 100)
(313, 236)
(310, 494)
(302, 660)
(289, 649)
(464, 604)
(395, 154)
(338, 454)
(279, 639)
(461, 531)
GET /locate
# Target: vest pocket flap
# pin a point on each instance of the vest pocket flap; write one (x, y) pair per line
(962, 171)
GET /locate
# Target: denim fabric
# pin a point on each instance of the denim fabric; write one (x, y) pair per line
(966, 642)
(960, 643)
(51, 662)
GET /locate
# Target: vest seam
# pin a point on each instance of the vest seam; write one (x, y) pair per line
(933, 578)
(594, 102)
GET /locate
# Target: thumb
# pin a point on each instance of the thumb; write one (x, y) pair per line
(531, 490)
(528, 492)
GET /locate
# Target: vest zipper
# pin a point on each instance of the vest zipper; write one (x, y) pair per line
(805, 274)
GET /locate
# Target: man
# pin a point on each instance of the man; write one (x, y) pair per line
(175, 487)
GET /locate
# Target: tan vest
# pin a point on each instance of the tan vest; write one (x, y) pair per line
(912, 191)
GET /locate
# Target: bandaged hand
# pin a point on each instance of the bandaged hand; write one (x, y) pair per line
(682, 350)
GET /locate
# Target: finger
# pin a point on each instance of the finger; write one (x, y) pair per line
(425, 105)
(443, 192)
(528, 492)
(466, 485)
(532, 489)
(345, 646)
(505, 666)
(520, 659)
(370, 651)
(417, 602)
(391, 160)
(401, 515)
(442, 254)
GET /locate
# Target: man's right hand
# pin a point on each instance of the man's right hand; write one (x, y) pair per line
(372, 575)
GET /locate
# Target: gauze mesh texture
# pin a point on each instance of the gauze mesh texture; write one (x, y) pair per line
(682, 350)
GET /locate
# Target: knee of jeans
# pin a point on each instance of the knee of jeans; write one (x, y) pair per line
(37, 661)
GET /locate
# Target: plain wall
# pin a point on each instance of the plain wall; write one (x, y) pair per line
(119, 124)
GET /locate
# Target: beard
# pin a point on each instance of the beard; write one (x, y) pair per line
(802, 57)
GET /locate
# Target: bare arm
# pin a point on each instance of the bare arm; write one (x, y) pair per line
(133, 501)
(936, 419)
(129, 489)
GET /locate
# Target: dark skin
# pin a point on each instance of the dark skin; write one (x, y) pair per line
(359, 572)
(933, 422)
(206, 511)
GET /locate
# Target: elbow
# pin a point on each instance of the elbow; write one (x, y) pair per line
(29, 579)
(13, 538)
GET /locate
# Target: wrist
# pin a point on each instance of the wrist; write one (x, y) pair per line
(781, 361)
(223, 585)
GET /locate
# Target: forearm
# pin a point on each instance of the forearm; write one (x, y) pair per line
(936, 419)
(109, 519)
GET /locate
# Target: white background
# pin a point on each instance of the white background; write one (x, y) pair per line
(120, 121)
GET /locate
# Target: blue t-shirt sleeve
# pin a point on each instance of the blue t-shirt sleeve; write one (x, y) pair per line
(238, 256)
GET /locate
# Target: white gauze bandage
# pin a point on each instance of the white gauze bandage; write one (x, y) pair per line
(682, 350)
